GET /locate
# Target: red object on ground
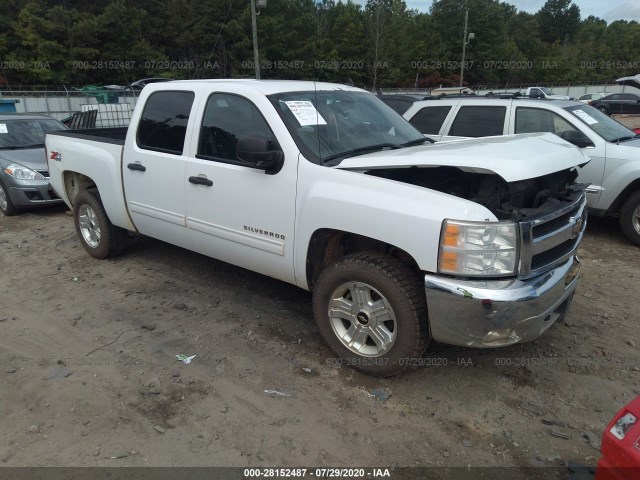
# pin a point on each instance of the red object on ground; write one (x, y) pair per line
(621, 445)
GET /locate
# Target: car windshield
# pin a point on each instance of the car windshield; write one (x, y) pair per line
(546, 91)
(600, 123)
(329, 126)
(26, 133)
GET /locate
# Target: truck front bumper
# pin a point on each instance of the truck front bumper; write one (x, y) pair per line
(485, 314)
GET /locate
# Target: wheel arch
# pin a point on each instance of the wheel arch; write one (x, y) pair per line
(622, 197)
(327, 245)
(74, 183)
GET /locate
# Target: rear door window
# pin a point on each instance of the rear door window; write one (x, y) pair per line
(479, 121)
(163, 125)
(429, 120)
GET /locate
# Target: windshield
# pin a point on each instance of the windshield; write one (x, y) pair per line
(600, 123)
(329, 126)
(546, 91)
(25, 133)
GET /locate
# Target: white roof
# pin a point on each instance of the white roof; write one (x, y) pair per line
(268, 87)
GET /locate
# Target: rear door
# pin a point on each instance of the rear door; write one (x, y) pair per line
(478, 118)
(236, 212)
(430, 120)
(155, 164)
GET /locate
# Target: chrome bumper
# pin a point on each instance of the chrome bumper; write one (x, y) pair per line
(485, 314)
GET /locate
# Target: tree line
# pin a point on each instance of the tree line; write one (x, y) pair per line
(380, 44)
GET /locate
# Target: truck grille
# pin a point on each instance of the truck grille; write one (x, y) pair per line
(550, 240)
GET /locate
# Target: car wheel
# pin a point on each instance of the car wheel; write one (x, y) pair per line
(604, 109)
(97, 234)
(371, 310)
(6, 205)
(630, 218)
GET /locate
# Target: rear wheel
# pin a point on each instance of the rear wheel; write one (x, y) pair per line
(630, 218)
(97, 234)
(371, 311)
(6, 205)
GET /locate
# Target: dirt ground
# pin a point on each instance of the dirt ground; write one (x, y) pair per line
(90, 377)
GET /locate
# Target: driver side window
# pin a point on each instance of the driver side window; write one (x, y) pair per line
(227, 119)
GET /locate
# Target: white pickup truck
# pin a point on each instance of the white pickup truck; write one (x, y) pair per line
(323, 186)
(544, 92)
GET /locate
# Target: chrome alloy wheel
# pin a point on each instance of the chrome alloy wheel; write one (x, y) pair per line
(3, 199)
(89, 226)
(362, 318)
(635, 218)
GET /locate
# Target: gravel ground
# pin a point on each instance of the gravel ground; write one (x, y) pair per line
(90, 377)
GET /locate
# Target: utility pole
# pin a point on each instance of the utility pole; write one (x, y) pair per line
(465, 41)
(254, 28)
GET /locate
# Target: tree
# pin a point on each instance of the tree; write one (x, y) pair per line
(558, 20)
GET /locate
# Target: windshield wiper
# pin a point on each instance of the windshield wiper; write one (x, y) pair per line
(361, 151)
(418, 141)
(625, 138)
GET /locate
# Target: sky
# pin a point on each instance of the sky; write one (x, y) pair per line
(608, 10)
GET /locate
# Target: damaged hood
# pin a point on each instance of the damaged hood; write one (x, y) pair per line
(513, 157)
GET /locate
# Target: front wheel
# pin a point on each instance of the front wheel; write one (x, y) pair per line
(630, 218)
(97, 234)
(6, 205)
(604, 110)
(371, 310)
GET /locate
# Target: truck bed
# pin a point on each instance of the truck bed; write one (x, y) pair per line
(115, 135)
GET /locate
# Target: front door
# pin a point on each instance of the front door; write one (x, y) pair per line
(236, 212)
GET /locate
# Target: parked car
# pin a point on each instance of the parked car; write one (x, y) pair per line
(620, 445)
(401, 102)
(24, 176)
(591, 97)
(325, 187)
(618, 103)
(613, 172)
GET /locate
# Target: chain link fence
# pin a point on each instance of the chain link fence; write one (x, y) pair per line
(113, 106)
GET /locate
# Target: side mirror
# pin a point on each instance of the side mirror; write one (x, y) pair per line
(577, 138)
(258, 152)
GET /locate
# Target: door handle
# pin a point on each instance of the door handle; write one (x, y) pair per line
(137, 166)
(201, 181)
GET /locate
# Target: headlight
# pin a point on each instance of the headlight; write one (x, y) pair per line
(22, 173)
(478, 248)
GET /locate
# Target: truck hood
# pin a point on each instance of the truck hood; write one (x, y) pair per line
(512, 157)
(33, 158)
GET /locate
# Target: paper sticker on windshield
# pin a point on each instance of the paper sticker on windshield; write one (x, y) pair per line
(305, 112)
(588, 119)
(3, 128)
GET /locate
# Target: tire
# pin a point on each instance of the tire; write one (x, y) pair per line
(97, 234)
(6, 205)
(604, 110)
(629, 218)
(362, 283)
